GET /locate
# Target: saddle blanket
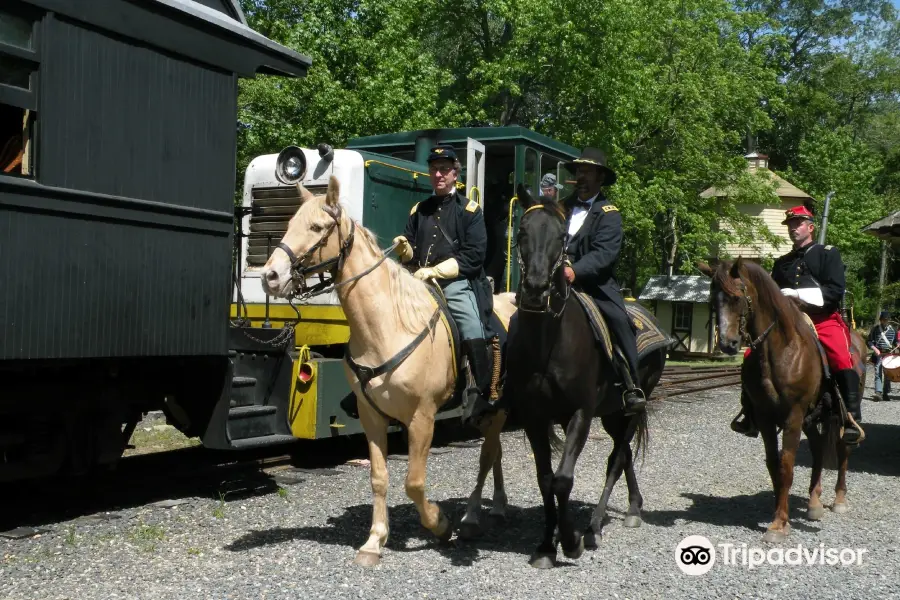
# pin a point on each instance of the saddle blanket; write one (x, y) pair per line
(650, 335)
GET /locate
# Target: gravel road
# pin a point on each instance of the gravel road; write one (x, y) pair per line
(296, 538)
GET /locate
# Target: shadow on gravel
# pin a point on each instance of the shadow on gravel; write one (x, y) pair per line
(879, 454)
(736, 511)
(519, 533)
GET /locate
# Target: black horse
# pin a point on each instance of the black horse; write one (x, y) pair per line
(558, 374)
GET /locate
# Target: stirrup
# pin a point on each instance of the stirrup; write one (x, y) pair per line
(852, 433)
(639, 405)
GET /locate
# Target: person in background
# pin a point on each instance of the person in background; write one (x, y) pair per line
(550, 188)
(882, 341)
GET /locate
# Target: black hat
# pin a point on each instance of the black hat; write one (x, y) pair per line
(442, 151)
(885, 315)
(597, 158)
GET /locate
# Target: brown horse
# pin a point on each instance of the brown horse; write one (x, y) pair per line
(783, 379)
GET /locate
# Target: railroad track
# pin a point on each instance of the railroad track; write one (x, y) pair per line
(677, 381)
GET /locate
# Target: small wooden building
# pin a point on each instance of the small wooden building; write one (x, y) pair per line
(681, 304)
(772, 215)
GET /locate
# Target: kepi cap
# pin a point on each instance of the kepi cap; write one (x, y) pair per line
(798, 212)
(442, 151)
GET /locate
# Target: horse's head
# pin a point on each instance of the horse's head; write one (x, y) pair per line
(730, 295)
(540, 247)
(318, 238)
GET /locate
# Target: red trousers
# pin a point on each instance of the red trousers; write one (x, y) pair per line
(835, 337)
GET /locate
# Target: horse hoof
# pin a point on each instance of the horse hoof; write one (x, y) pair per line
(632, 521)
(367, 559)
(815, 513)
(469, 531)
(443, 531)
(543, 560)
(840, 508)
(590, 540)
(576, 552)
(774, 536)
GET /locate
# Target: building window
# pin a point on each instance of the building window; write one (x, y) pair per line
(681, 316)
(19, 65)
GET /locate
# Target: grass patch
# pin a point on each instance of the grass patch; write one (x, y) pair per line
(146, 536)
(219, 510)
(159, 438)
(735, 362)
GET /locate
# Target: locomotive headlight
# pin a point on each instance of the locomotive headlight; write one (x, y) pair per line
(290, 166)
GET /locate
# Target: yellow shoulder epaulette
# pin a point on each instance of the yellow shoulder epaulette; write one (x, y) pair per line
(415, 206)
(472, 206)
(829, 247)
(610, 208)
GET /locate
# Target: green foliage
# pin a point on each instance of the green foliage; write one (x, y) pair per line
(671, 89)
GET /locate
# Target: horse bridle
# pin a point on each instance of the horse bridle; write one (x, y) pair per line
(746, 315)
(559, 262)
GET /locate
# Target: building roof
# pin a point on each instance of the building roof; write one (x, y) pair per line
(887, 229)
(678, 288)
(760, 163)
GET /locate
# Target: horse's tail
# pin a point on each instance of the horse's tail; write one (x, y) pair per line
(642, 435)
(831, 436)
(556, 443)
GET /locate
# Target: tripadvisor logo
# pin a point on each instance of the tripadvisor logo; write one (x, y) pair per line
(696, 555)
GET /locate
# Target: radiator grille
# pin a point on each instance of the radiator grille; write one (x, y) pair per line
(272, 208)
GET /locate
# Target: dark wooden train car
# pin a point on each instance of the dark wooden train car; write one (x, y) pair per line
(118, 124)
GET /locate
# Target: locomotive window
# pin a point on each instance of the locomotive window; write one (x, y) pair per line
(15, 72)
(16, 30)
(532, 170)
(16, 126)
(19, 57)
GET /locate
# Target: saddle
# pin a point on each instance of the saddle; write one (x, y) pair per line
(463, 378)
(650, 336)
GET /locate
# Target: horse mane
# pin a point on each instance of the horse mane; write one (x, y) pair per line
(410, 298)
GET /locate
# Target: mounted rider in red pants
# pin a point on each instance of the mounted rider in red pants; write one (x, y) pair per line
(813, 275)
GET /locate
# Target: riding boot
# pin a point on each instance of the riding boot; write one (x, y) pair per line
(746, 425)
(478, 353)
(848, 383)
(635, 400)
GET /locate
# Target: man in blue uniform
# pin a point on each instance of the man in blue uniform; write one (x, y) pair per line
(592, 248)
(446, 239)
(882, 341)
(813, 275)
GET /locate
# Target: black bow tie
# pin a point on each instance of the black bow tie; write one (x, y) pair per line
(583, 204)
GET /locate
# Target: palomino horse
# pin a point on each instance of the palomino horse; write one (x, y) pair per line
(783, 380)
(557, 373)
(394, 323)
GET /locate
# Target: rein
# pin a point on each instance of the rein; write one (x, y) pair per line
(298, 274)
(334, 265)
(746, 315)
(559, 262)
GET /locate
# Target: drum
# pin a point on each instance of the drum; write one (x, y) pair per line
(891, 366)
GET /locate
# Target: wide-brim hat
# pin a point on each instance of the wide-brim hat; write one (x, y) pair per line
(596, 158)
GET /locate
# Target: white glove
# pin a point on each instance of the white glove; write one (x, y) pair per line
(404, 249)
(790, 293)
(445, 270)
